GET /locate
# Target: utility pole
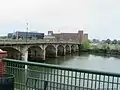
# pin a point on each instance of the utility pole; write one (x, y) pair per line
(26, 31)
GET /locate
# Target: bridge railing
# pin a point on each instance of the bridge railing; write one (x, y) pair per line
(34, 41)
(39, 76)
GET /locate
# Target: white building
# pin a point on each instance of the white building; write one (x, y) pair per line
(49, 37)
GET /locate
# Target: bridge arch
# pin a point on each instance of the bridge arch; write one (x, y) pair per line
(67, 47)
(60, 51)
(73, 48)
(13, 53)
(50, 51)
(35, 53)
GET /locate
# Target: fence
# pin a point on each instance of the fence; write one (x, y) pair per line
(39, 76)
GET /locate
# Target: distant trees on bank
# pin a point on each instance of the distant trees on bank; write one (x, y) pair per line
(115, 41)
(107, 41)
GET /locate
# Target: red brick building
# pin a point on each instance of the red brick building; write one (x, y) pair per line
(68, 36)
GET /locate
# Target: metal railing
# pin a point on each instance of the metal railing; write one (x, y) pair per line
(39, 76)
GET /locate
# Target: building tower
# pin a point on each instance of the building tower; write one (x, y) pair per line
(80, 36)
(50, 33)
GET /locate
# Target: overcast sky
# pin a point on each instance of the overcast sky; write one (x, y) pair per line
(99, 18)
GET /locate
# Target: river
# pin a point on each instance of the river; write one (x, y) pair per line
(99, 62)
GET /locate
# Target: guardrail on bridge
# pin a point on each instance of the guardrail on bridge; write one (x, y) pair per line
(34, 41)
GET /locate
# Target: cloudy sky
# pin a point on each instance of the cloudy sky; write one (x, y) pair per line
(99, 18)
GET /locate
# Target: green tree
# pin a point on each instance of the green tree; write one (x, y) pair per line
(86, 44)
(105, 48)
(114, 41)
(108, 41)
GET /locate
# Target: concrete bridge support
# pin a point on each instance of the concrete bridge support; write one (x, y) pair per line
(56, 52)
(64, 50)
(73, 48)
(44, 53)
(67, 49)
(70, 49)
(61, 50)
(25, 56)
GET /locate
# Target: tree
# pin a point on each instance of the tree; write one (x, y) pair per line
(108, 41)
(95, 41)
(105, 48)
(14, 37)
(89, 41)
(114, 41)
(118, 41)
(86, 44)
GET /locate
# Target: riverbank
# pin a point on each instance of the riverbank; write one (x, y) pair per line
(102, 51)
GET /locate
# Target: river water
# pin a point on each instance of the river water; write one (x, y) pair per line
(99, 62)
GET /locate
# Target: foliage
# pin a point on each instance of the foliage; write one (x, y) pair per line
(3, 37)
(114, 41)
(105, 47)
(95, 41)
(86, 44)
(108, 41)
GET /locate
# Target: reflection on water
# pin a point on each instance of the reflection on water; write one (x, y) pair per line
(99, 62)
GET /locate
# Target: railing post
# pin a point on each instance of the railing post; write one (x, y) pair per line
(25, 57)
(45, 85)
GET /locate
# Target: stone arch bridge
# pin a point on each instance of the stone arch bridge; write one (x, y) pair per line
(41, 50)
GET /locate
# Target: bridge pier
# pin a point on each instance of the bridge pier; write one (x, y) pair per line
(73, 48)
(70, 49)
(56, 51)
(25, 57)
(64, 50)
(44, 53)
